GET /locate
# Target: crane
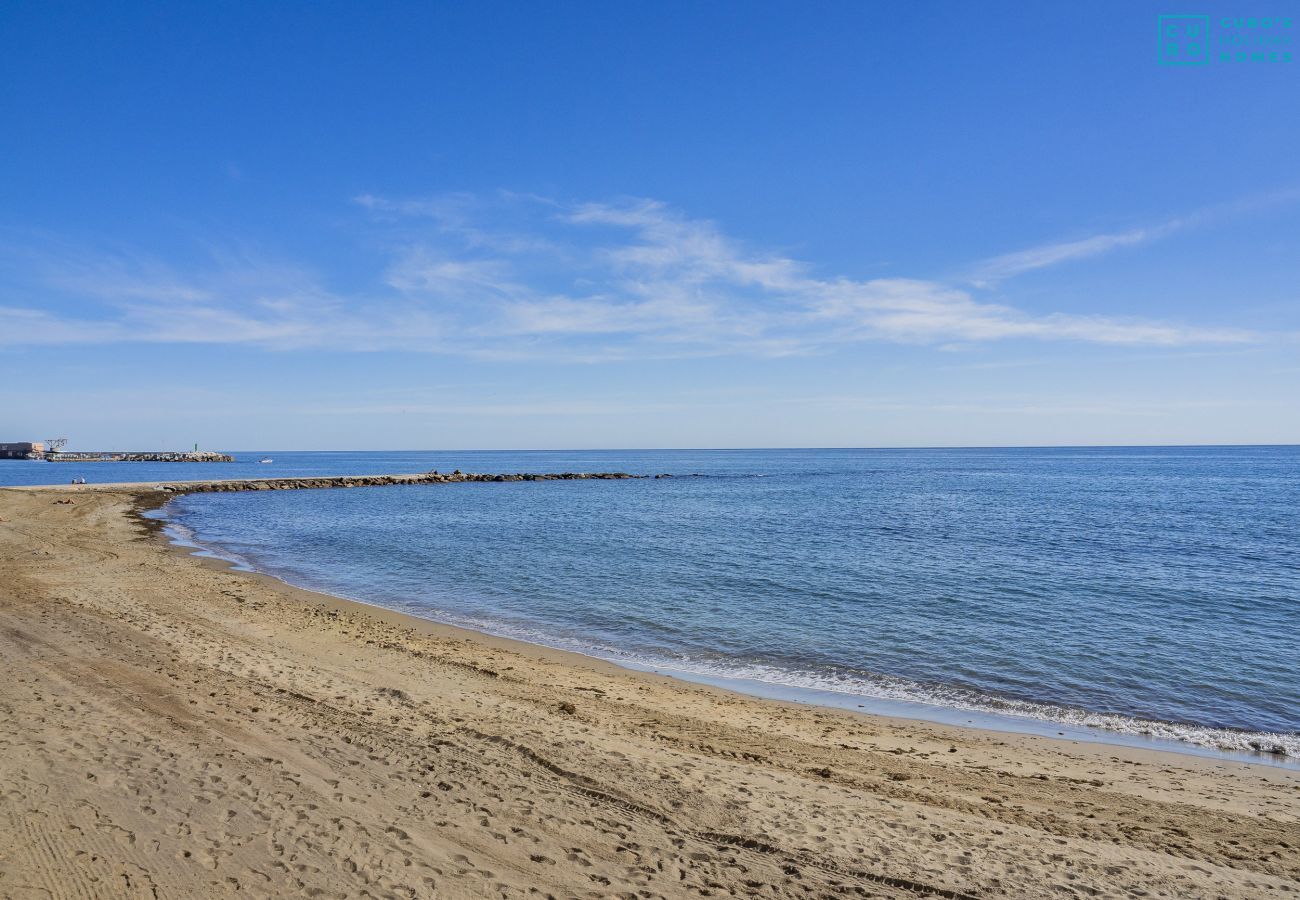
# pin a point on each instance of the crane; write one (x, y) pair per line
(54, 445)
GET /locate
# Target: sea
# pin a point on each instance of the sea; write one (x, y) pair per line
(1137, 595)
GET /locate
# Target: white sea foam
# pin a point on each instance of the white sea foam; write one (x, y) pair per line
(905, 691)
(184, 536)
(899, 690)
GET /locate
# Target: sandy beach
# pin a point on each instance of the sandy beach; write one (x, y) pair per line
(173, 728)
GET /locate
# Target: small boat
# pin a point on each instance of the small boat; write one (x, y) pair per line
(266, 459)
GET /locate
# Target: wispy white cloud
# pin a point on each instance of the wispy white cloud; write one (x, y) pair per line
(512, 276)
(1008, 265)
(912, 311)
(107, 298)
(999, 268)
(21, 326)
(1029, 406)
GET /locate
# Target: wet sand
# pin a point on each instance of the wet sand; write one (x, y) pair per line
(173, 728)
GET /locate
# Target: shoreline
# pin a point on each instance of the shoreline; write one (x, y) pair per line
(1075, 736)
(912, 710)
(191, 728)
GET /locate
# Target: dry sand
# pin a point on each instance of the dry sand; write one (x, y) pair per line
(176, 729)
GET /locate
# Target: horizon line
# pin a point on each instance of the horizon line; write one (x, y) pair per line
(1120, 446)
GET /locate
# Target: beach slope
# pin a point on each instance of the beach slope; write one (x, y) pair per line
(176, 729)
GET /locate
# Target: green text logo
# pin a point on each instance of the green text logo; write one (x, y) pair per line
(1184, 40)
(1197, 40)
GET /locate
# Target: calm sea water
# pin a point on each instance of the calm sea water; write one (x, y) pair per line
(1143, 591)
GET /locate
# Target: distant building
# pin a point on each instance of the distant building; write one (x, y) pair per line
(22, 450)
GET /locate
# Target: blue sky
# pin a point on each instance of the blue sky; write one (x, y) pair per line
(329, 225)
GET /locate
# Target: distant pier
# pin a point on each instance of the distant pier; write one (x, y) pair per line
(138, 456)
(54, 452)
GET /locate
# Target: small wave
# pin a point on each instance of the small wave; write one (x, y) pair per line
(182, 535)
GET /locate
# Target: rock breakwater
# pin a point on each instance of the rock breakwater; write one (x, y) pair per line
(350, 481)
